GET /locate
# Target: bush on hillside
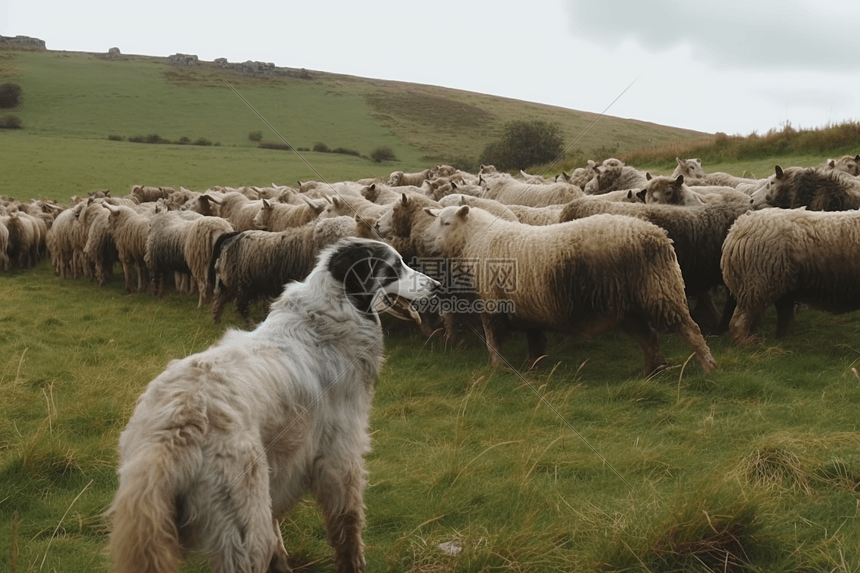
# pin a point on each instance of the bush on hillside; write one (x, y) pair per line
(274, 145)
(523, 144)
(115, 137)
(345, 151)
(383, 153)
(321, 147)
(10, 95)
(11, 122)
(256, 136)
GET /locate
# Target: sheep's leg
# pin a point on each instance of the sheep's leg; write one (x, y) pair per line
(639, 328)
(493, 334)
(705, 312)
(536, 340)
(691, 334)
(728, 310)
(785, 313)
(745, 322)
(279, 562)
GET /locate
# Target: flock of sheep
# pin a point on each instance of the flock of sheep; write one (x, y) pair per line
(603, 247)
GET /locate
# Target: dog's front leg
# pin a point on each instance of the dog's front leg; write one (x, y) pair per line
(340, 492)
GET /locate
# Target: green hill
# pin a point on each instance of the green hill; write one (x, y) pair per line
(73, 102)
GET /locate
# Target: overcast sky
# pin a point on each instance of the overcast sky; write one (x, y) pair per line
(735, 66)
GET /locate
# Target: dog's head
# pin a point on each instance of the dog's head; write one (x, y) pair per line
(374, 275)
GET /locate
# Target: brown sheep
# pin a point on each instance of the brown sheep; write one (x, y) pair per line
(810, 187)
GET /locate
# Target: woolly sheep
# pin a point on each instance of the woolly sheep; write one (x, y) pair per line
(815, 189)
(61, 241)
(789, 256)
(846, 163)
(144, 193)
(5, 263)
(505, 189)
(280, 216)
(697, 235)
(498, 209)
(399, 178)
(201, 234)
(583, 277)
(238, 209)
(615, 177)
(689, 168)
(130, 230)
(673, 191)
(165, 246)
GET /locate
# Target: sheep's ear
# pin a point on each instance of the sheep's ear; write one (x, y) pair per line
(697, 160)
(432, 212)
(857, 157)
(679, 160)
(679, 180)
(779, 172)
(111, 208)
(648, 176)
(453, 185)
(642, 194)
(831, 163)
(266, 204)
(463, 211)
(404, 200)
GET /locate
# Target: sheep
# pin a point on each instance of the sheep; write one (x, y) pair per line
(399, 178)
(281, 216)
(25, 238)
(614, 177)
(816, 189)
(580, 176)
(673, 191)
(498, 209)
(689, 168)
(130, 230)
(535, 179)
(352, 206)
(100, 249)
(786, 256)
(5, 263)
(584, 276)
(146, 194)
(404, 224)
(505, 189)
(201, 234)
(454, 188)
(252, 264)
(165, 246)
(238, 209)
(697, 234)
(846, 163)
(61, 241)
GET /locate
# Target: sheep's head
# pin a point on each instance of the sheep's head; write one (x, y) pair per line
(666, 191)
(689, 168)
(447, 233)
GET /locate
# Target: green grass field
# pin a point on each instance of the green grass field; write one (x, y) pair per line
(584, 466)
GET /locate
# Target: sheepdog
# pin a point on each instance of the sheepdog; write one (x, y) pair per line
(224, 442)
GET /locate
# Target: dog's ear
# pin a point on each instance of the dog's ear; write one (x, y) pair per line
(348, 261)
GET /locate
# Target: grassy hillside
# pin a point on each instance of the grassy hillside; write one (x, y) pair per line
(73, 102)
(585, 466)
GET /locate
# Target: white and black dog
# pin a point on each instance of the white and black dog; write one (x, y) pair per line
(224, 442)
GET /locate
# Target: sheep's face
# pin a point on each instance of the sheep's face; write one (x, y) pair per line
(689, 168)
(847, 164)
(666, 191)
(385, 224)
(261, 219)
(445, 234)
(769, 194)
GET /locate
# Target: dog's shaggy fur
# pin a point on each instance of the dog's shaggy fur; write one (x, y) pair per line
(224, 442)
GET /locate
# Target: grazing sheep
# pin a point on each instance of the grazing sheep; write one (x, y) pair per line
(846, 163)
(673, 191)
(789, 256)
(580, 176)
(399, 178)
(100, 249)
(145, 194)
(280, 216)
(5, 263)
(61, 240)
(251, 265)
(165, 250)
(490, 205)
(130, 229)
(815, 189)
(25, 238)
(615, 177)
(582, 277)
(697, 235)
(201, 234)
(505, 189)
(404, 224)
(238, 209)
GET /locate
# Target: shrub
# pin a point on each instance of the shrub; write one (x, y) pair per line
(274, 145)
(203, 141)
(382, 153)
(183, 141)
(11, 122)
(523, 144)
(321, 147)
(115, 137)
(152, 138)
(256, 136)
(10, 95)
(345, 151)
